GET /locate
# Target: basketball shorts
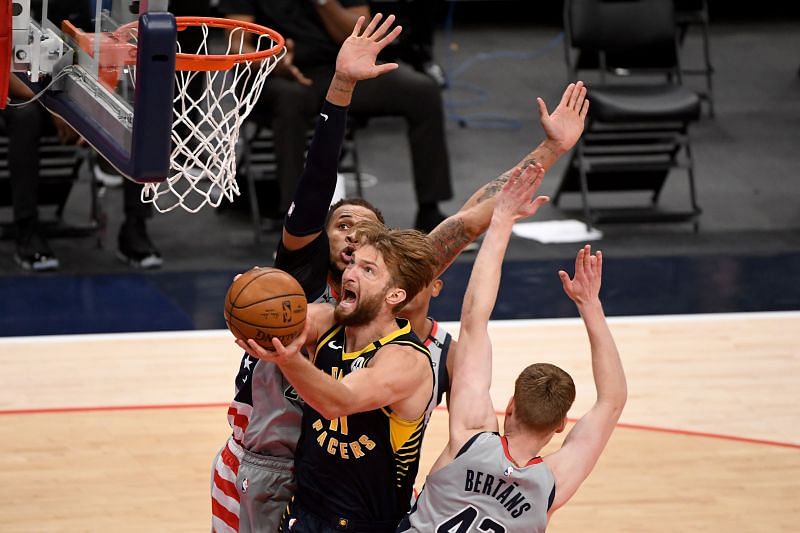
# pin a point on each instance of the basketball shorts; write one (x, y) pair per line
(249, 491)
(298, 519)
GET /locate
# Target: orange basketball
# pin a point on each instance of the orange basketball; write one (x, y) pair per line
(263, 303)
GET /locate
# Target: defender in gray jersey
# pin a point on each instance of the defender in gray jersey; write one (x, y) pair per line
(486, 482)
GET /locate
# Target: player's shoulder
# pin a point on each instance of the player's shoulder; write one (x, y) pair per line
(410, 355)
(321, 316)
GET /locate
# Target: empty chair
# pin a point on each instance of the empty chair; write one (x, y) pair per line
(637, 129)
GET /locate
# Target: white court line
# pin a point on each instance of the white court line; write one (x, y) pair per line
(513, 323)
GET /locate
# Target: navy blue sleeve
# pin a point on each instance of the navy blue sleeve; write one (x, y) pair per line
(308, 265)
(318, 182)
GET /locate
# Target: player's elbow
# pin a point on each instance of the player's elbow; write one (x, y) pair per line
(614, 402)
(335, 408)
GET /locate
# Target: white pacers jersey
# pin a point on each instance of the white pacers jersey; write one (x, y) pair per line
(483, 490)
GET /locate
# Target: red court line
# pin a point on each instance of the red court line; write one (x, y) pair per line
(95, 408)
(641, 427)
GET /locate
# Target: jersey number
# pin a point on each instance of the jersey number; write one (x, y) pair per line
(461, 523)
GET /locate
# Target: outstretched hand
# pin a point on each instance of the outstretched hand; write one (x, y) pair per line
(565, 125)
(516, 200)
(584, 287)
(356, 59)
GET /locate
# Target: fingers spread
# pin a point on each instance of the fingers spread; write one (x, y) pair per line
(383, 28)
(542, 108)
(390, 37)
(386, 67)
(573, 97)
(372, 25)
(357, 27)
(567, 94)
(579, 263)
(581, 97)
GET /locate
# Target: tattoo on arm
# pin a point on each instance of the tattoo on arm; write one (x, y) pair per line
(448, 239)
(494, 186)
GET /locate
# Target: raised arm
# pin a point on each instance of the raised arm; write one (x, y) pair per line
(302, 251)
(470, 406)
(356, 61)
(563, 128)
(584, 444)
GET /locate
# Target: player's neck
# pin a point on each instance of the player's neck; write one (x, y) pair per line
(360, 336)
(335, 283)
(421, 325)
(524, 446)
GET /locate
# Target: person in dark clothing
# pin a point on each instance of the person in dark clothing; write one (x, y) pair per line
(293, 96)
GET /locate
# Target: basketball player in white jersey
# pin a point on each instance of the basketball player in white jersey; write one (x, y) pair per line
(483, 481)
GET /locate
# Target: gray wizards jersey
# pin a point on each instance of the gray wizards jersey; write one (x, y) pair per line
(438, 344)
(483, 490)
(265, 412)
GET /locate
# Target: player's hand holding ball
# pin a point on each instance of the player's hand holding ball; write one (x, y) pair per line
(264, 304)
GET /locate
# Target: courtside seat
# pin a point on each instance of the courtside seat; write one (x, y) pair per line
(625, 103)
(637, 128)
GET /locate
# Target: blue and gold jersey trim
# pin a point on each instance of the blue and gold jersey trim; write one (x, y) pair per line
(402, 330)
(406, 439)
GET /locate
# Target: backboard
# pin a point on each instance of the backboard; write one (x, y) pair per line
(85, 55)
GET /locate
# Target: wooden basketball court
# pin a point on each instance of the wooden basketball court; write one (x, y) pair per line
(117, 432)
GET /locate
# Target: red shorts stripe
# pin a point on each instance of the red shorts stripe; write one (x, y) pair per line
(227, 487)
(225, 515)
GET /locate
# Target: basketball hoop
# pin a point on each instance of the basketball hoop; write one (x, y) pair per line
(206, 126)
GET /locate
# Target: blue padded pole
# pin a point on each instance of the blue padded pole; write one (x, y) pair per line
(152, 101)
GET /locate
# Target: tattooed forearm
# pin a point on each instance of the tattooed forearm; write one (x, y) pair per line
(494, 186)
(448, 239)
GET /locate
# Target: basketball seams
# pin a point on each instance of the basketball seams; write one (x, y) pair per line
(255, 319)
(263, 327)
(266, 271)
(234, 306)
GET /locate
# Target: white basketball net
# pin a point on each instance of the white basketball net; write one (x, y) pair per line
(205, 131)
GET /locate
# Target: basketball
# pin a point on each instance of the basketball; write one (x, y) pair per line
(263, 303)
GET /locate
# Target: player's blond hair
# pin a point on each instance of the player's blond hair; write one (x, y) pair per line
(543, 394)
(407, 253)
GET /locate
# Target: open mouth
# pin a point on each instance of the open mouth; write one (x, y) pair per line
(347, 254)
(348, 298)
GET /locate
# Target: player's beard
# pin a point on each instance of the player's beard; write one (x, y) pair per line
(366, 310)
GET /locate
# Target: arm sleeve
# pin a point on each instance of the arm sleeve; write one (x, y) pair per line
(308, 265)
(312, 198)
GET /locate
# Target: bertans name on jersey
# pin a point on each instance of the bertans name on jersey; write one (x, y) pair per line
(505, 492)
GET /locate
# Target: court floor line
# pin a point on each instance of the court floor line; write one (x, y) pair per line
(146, 407)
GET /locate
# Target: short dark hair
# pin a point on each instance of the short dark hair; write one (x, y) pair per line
(354, 201)
(543, 394)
